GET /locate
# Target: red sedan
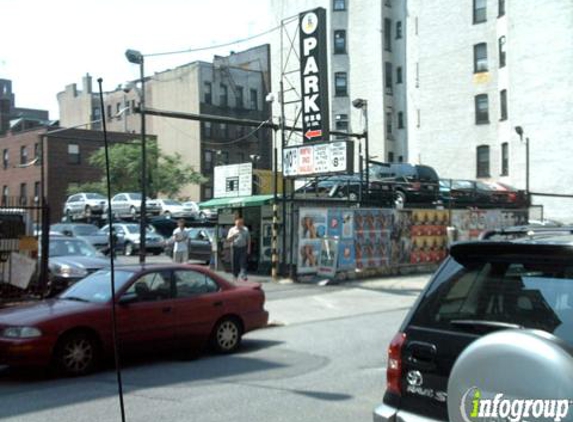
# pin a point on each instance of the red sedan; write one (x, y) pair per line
(158, 306)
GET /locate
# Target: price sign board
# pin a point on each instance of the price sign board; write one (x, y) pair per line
(233, 180)
(318, 159)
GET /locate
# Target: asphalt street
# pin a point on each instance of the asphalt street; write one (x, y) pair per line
(324, 359)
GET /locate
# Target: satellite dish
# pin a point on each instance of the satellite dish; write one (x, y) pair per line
(526, 365)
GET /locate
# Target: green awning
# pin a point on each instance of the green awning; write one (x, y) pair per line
(237, 202)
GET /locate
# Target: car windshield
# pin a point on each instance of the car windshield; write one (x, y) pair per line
(134, 228)
(527, 291)
(96, 287)
(94, 196)
(85, 230)
(171, 202)
(71, 247)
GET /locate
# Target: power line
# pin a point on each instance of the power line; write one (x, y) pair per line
(213, 47)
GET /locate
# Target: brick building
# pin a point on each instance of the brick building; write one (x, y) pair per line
(14, 118)
(66, 153)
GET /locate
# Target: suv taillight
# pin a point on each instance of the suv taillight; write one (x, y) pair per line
(394, 370)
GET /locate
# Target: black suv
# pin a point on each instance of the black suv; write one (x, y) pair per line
(411, 183)
(522, 280)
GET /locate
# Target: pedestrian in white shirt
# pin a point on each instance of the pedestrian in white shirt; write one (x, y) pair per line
(180, 239)
(240, 240)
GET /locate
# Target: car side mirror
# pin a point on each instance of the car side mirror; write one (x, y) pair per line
(127, 298)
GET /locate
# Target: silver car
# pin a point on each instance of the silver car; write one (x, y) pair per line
(128, 205)
(84, 205)
(175, 209)
(129, 240)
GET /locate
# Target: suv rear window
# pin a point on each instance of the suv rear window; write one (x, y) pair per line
(426, 173)
(499, 289)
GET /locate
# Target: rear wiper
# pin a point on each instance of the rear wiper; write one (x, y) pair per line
(483, 326)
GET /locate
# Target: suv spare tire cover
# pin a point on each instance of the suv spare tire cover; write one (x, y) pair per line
(520, 364)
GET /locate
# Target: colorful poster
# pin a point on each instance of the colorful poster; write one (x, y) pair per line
(400, 237)
(308, 256)
(429, 236)
(312, 223)
(346, 256)
(328, 258)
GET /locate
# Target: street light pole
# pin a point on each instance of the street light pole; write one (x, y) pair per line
(520, 132)
(136, 57)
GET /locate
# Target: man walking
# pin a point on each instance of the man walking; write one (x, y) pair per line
(180, 238)
(240, 240)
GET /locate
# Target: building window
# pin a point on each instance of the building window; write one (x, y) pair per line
(417, 75)
(505, 159)
(388, 124)
(480, 57)
(254, 99)
(224, 131)
(501, 48)
(388, 77)
(482, 109)
(340, 84)
(398, 30)
(341, 126)
(224, 157)
(207, 131)
(23, 155)
(23, 194)
(399, 75)
(340, 42)
(109, 116)
(338, 5)
(5, 159)
(208, 92)
(400, 120)
(239, 102)
(500, 8)
(5, 194)
(483, 161)
(207, 160)
(117, 110)
(400, 159)
(223, 96)
(390, 157)
(37, 154)
(503, 104)
(480, 11)
(36, 192)
(73, 154)
(387, 34)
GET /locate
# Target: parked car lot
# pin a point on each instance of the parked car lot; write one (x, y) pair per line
(162, 306)
(128, 205)
(484, 286)
(129, 239)
(88, 232)
(70, 260)
(84, 205)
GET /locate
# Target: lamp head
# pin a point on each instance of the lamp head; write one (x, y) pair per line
(134, 56)
(359, 103)
(519, 131)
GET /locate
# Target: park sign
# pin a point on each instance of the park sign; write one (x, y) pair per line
(318, 159)
(314, 75)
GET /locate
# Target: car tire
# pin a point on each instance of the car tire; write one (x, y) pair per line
(88, 211)
(399, 199)
(128, 249)
(227, 335)
(68, 214)
(167, 214)
(77, 354)
(353, 196)
(202, 217)
(133, 212)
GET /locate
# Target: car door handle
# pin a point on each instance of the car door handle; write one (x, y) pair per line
(421, 354)
(218, 304)
(166, 310)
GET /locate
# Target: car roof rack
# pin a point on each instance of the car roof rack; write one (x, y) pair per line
(522, 231)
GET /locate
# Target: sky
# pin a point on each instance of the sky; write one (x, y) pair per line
(48, 44)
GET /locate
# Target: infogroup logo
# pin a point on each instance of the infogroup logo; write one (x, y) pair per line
(475, 407)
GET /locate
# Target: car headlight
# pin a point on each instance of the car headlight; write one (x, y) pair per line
(65, 270)
(21, 332)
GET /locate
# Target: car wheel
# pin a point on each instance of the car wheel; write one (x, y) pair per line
(88, 211)
(68, 214)
(77, 354)
(399, 199)
(167, 214)
(133, 212)
(202, 217)
(226, 337)
(128, 249)
(353, 196)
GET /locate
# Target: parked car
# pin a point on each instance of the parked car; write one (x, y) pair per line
(193, 206)
(470, 193)
(128, 238)
(128, 205)
(84, 205)
(88, 232)
(510, 197)
(411, 183)
(200, 244)
(161, 306)
(207, 214)
(70, 260)
(347, 187)
(176, 209)
(484, 286)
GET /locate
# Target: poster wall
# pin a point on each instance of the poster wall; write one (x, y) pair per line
(470, 224)
(429, 236)
(311, 231)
